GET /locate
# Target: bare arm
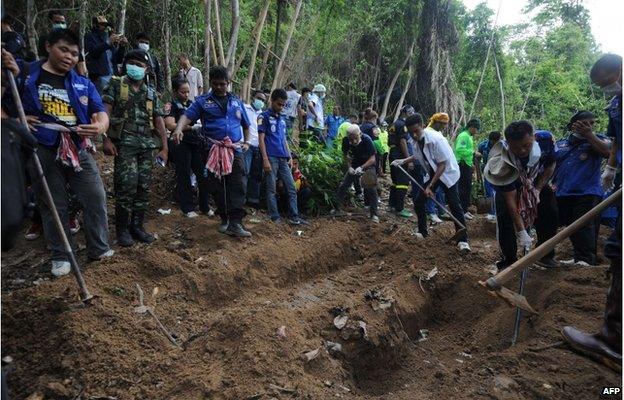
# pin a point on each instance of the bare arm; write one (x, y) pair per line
(159, 123)
(598, 145)
(369, 163)
(266, 164)
(440, 168)
(543, 179)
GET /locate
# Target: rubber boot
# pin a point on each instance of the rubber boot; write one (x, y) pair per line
(137, 230)
(605, 346)
(121, 227)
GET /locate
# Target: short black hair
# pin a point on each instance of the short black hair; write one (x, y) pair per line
(53, 13)
(255, 92)
(305, 90)
(292, 85)
(178, 82)
(609, 63)
(279, 94)
(474, 123)
(494, 136)
(414, 119)
(294, 155)
(218, 72)
(141, 35)
(517, 130)
(62, 34)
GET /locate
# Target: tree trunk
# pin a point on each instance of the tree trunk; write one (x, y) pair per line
(121, 27)
(435, 80)
(236, 21)
(166, 25)
(207, 40)
(82, 26)
(259, 26)
(265, 60)
(408, 83)
(221, 60)
(384, 109)
(254, 52)
(291, 30)
(30, 27)
(502, 91)
(278, 25)
(376, 82)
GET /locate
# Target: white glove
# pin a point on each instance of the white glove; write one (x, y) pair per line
(351, 171)
(398, 162)
(524, 240)
(359, 171)
(607, 178)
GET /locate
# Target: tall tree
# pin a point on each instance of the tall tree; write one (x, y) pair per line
(219, 39)
(166, 27)
(207, 40)
(291, 30)
(408, 55)
(31, 15)
(254, 52)
(236, 22)
(121, 26)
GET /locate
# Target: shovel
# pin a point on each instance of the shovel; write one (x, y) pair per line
(459, 232)
(84, 291)
(495, 283)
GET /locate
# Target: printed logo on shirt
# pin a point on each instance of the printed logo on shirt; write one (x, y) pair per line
(84, 100)
(238, 114)
(55, 102)
(583, 156)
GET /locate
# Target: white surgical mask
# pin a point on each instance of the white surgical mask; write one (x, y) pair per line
(612, 89)
(144, 46)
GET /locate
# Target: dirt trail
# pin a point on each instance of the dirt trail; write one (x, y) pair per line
(224, 300)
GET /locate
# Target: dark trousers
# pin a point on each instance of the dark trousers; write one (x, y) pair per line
(452, 198)
(190, 157)
(370, 194)
(545, 226)
(253, 167)
(585, 240)
(611, 331)
(400, 182)
(229, 191)
(303, 196)
(464, 186)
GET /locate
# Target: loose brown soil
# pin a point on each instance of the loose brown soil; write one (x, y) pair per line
(225, 300)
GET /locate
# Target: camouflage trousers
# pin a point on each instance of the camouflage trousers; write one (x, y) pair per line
(133, 176)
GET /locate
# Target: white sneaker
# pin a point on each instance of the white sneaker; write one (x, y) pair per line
(491, 218)
(468, 216)
(375, 219)
(573, 263)
(192, 214)
(60, 268)
(418, 235)
(434, 218)
(107, 254)
(463, 247)
(210, 213)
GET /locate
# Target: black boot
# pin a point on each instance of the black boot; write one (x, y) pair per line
(121, 227)
(605, 346)
(137, 230)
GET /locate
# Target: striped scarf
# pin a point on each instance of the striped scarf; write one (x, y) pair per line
(528, 196)
(221, 157)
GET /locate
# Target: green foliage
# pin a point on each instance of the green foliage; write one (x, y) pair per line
(324, 170)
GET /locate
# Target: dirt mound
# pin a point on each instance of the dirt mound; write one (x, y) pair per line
(254, 319)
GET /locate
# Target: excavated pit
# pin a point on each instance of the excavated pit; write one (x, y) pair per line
(244, 314)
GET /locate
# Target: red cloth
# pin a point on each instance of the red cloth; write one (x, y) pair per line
(528, 199)
(68, 153)
(221, 157)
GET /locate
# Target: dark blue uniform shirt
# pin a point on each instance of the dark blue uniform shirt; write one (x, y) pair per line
(218, 121)
(273, 125)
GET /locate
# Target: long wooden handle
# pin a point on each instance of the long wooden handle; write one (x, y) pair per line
(432, 198)
(505, 275)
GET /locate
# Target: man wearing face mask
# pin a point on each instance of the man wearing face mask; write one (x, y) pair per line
(520, 168)
(253, 159)
(577, 183)
(57, 21)
(100, 51)
(137, 128)
(606, 345)
(155, 76)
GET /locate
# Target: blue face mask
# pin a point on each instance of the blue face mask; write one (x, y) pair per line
(135, 72)
(258, 104)
(61, 25)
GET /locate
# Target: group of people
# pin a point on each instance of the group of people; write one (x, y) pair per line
(232, 153)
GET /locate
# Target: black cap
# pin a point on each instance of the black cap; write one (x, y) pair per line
(138, 55)
(407, 109)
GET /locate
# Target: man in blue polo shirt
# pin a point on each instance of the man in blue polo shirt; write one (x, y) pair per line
(577, 183)
(222, 115)
(64, 111)
(276, 159)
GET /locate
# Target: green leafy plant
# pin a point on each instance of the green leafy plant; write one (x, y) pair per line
(323, 168)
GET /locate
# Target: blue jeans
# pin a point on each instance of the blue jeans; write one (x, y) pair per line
(431, 207)
(280, 170)
(329, 142)
(253, 174)
(489, 194)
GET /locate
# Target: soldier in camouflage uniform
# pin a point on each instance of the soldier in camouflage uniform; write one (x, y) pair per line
(137, 129)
